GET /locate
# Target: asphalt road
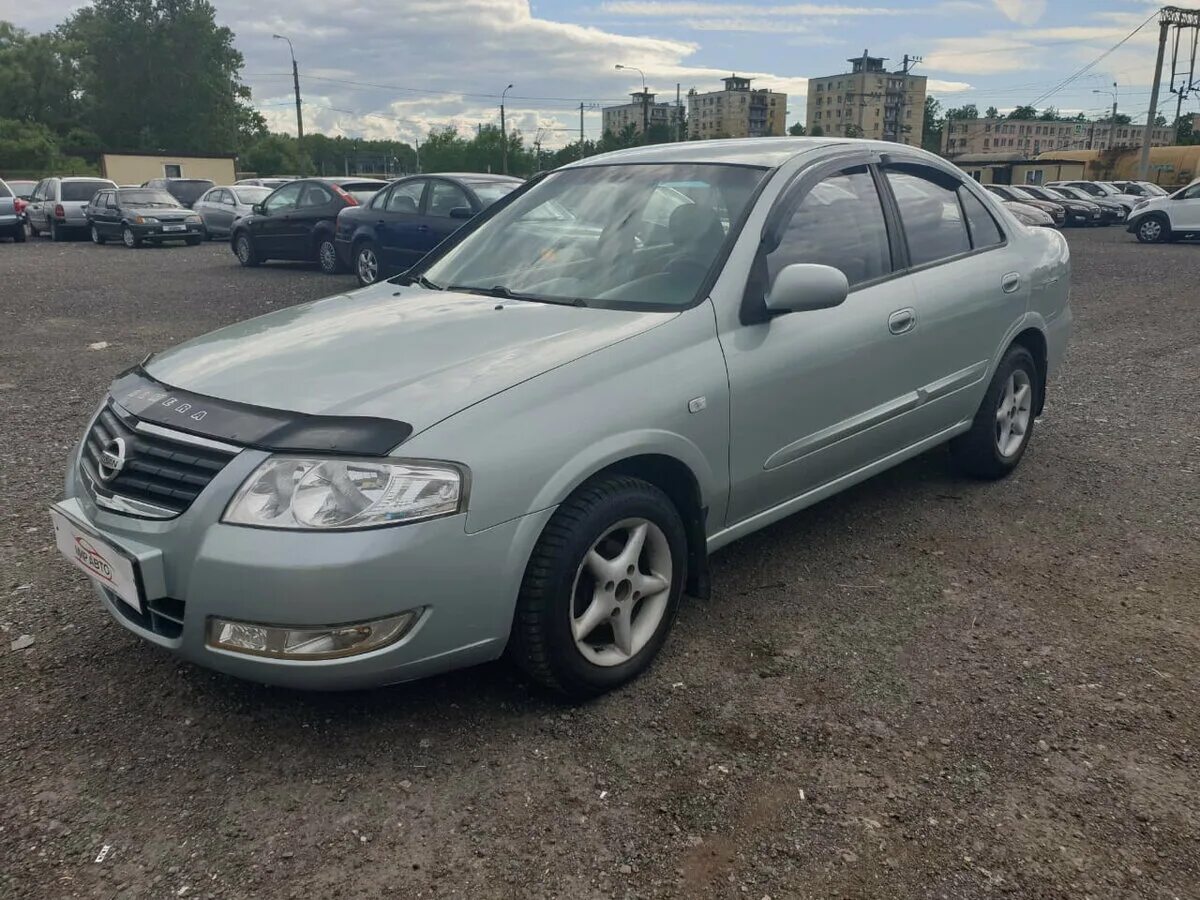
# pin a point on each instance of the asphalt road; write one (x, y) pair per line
(924, 687)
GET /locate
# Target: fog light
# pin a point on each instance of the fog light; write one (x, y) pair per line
(309, 642)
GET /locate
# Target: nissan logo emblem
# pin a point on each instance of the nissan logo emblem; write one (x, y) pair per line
(112, 459)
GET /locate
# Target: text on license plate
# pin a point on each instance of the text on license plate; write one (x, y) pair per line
(174, 228)
(104, 563)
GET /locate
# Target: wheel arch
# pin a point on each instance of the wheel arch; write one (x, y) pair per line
(1033, 340)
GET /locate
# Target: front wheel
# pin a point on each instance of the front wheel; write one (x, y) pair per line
(366, 264)
(97, 237)
(243, 248)
(601, 588)
(1003, 425)
(1152, 230)
(327, 257)
(129, 239)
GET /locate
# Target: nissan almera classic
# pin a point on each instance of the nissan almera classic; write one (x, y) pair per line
(530, 442)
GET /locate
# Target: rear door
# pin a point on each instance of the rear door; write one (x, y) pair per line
(95, 210)
(317, 204)
(398, 223)
(969, 287)
(36, 211)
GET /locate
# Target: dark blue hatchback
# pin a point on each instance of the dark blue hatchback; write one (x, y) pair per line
(410, 217)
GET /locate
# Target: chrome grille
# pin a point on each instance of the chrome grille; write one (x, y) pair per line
(164, 470)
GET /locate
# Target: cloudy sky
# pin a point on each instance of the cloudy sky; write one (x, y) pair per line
(395, 68)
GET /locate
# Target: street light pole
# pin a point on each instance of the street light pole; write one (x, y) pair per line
(645, 103)
(1112, 129)
(504, 131)
(296, 85)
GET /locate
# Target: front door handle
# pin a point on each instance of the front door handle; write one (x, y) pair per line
(1010, 282)
(902, 320)
(423, 228)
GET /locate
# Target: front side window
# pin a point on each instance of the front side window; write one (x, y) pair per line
(285, 198)
(406, 197)
(582, 235)
(444, 196)
(930, 213)
(839, 223)
(1190, 193)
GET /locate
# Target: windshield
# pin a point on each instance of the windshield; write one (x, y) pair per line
(188, 191)
(146, 197)
(1153, 189)
(623, 236)
(489, 192)
(82, 190)
(1021, 193)
(250, 194)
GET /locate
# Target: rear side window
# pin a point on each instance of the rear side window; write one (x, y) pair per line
(81, 190)
(315, 195)
(839, 223)
(984, 230)
(931, 215)
(4, 191)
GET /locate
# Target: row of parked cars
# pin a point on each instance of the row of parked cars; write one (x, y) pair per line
(1062, 204)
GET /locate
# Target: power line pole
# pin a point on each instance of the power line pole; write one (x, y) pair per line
(504, 132)
(678, 113)
(1144, 160)
(296, 86)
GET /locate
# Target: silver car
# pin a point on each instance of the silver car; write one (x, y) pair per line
(220, 207)
(531, 441)
(57, 205)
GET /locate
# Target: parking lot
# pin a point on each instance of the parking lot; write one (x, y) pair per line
(922, 687)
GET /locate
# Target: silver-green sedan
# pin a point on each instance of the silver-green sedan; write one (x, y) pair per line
(220, 207)
(530, 443)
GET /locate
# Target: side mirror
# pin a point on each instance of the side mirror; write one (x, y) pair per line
(801, 287)
(258, 209)
(461, 212)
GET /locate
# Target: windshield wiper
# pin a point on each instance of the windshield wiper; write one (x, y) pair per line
(422, 281)
(504, 293)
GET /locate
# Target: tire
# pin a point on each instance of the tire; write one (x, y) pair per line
(1153, 230)
(18, 234)
(560, 587)
(97, 237)
(243, 249)
(327, 256)
(989, 450)
(129, 239)
(57, 234)
(366, 263)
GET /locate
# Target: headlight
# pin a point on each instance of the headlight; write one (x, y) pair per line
(194, 220)
(146, 220)
(326, 493)
(1141, 203)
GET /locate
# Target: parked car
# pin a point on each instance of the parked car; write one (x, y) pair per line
(531, 443)
(296, 221)
(137, 216)
(22, 190)
(1029, 215)
(12, 223)
(186, 190)
(271, 183)
(1100, 190)
(405, 221)
(220, 207)
(1112, 211)
(1143, 190)
(1079, 212)
(1011, 194)
(56, 205)
(1168, 218)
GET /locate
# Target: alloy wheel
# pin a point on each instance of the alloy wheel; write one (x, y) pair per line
(1014, 413)
(368, 265)
(128, 238)
(621, 592)
(243, 249)
(328, 256)
(1151, 230)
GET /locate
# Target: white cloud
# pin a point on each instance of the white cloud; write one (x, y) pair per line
(1023, 12)
(661, 9)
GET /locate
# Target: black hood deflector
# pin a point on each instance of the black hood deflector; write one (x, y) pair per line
(277, 430)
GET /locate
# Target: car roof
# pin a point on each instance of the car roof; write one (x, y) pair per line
(341, 181)
(770, 152)
(85, 178)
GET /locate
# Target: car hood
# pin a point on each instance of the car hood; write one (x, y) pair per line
(158, 212)
(401, 353)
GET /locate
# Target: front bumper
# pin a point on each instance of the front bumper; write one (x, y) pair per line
(150, 233)
(194, 568)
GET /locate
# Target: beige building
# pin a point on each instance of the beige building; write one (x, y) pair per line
(868, 102)
(138, 168)
(963, 136)
(616, 118)
(736, 111)
(1016, 168)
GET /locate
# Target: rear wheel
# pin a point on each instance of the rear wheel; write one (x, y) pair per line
(129, 239)
(243, 248)
(18, 234)
(601, 588)
(1153, 230)
(327, 256)
(366, 263)
(97, 237)
(1003, 425)
(57, 234)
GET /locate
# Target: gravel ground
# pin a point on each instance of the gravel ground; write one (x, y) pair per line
(921, 688)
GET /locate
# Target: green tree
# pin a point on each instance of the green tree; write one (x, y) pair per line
(992, 113)
(159, 74)
(1185, 132)
(1023, 113)
(27, 146)
(797, 129)
(37, 79)
(931, 130)
(1049, 114)
(274, 154)
(967, 111)
(854, 131)
(817, 131)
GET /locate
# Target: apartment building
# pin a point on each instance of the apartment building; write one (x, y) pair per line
(737, 111)
(616, 118)
(969, 136)
(868, 102)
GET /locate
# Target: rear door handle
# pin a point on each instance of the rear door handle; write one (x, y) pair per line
(423, 228)
(902, 320)
(1010, 282)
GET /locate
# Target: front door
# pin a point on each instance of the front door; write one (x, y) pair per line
(271, 229)
(817, 395)
(440, 219)
(397, 226)
(1185, 209)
